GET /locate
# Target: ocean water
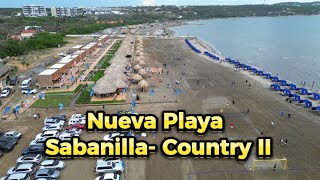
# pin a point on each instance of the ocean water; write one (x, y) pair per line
(287, 46)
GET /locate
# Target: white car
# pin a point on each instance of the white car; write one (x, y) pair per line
(111, 136)
(30, 158)
(109, 176)
(73, 131)
(67, 136)
(5, 93)
(26, 91)
(108, 167)
(47, 134)
(17, 176)
(26, 82)
(57, 127)
(49, 121)
(78, 116)
(22, 168)
(13, 134)
(38, 141)
(77, 121)
(52, 164)
(108, 159)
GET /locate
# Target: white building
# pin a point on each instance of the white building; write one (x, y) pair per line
(34, 10)
(63, 11)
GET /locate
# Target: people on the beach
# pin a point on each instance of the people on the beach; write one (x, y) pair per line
(289, 115)
(274, 167)
(272, 123)
(233, 101)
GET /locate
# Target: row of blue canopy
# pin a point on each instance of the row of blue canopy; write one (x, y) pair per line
(192, 47)
(212, 56)
(279, 83)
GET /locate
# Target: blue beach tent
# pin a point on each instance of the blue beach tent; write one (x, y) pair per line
(283, 82)
(247, 67)
(275, 79)
(275, 87)
(316, 96)
(268, 76)
(296, 97)
(286, 92)
(292, 87)
(254, 70)
(303, 91)
(317, 108)
(307, 103)
(260, 72)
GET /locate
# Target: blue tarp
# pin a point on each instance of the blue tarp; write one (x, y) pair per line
(283, 82)
(275, 87)
(303, 91)
(292, 86)
(286, 92)
(192, 47)
(268, 76)
(212, 56)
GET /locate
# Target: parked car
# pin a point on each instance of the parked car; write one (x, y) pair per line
(1, 153)
(109, 159)
(13, 80)
(108, 167)
(111, 136)
(39, 141)
(48, 122)
(17, 176)
(47, 173)
(34, 149)
(78, 116)
(22, 168)
(47, 134)
(77, 121)
(67, 136)
(57, 127)
(109, 176)
(9, 88)
(59, 116)
(29, 91)
(52, 164)
(5, 93)
(11, 139)
(73, 131)
(6, 145)
(1, 133)
(13, 134)
(77, 126)
(26, 82)
(30, 158)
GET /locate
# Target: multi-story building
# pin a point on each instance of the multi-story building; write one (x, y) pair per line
(63, 11)
(34, 10)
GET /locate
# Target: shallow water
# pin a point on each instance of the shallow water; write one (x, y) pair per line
(287, 46)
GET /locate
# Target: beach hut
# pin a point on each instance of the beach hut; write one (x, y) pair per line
(307, 103)
(275, 79)
(275, 87)
(316, 96)
(295, 97)
(136, 77)
(268, 76)
(104, 88)
(282, 82)
(285, 92)
(303, 91)
(292, 86)
(120, 84)
(143, 84)
(142, 72)
(142, 63)
(137, 67)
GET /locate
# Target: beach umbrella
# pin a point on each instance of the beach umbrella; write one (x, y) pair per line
(142, 72)
(143, 84)
(137, 77)
(137, 67)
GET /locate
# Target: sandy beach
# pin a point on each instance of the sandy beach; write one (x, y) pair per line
(213, 93)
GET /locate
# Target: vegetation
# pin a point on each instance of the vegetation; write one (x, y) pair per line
(39, 41)
(52, 99)
(97, 75)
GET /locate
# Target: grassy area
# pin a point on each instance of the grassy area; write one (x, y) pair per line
(97, 75)
(52, 99)
(84, 98)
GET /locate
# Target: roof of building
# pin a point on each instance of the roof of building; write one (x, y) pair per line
(57, 66)
(79, 52)
(4, 70)
(28, 31)
(77, 46)
(48, 72)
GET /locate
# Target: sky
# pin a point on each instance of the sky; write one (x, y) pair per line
(113, 3)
